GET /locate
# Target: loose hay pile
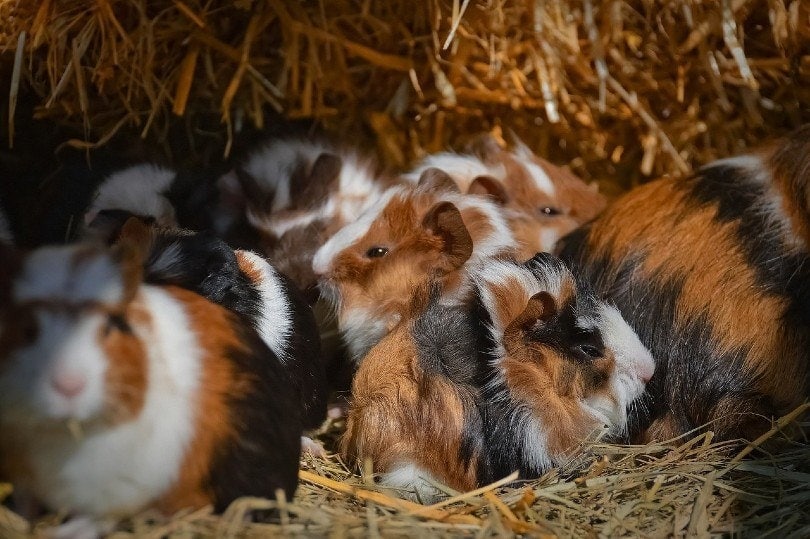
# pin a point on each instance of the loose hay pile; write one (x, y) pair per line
(621, 91)
(691, 488)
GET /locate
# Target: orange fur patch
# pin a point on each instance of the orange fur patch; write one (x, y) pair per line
(213, 423)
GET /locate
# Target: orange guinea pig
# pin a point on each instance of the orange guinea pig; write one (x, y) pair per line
(116, 395)
(370, 268)
(541, 201)
(713, 272)
(515, 380)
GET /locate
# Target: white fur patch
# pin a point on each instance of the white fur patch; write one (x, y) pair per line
(412, 482)
(462, 168)
(275, 323)
(138, 190)
(361, 330)
(634, 366)
(538, 174)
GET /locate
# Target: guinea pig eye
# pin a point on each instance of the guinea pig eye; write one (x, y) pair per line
(118, 323)
(549, 211)
(587, 352)
(376, 252)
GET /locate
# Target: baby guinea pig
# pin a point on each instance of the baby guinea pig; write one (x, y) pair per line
(515, 381)
(117, 395)
(541, 201)
(370, 268)
(713, 272)
(296, 193)
(247, 285)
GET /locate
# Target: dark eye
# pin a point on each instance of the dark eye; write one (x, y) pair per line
(376, 252)
(587, 351)
(550, 211)
(118, 323)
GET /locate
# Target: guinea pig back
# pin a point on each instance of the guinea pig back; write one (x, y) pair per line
(713, 273)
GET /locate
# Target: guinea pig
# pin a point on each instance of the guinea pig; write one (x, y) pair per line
(116, 395)
(140, 190)
(247, 285)
(370, 267)
(515, 380)
(296, 193)
(541, 201)
(713, 273)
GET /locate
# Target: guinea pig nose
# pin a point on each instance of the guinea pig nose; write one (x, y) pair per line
(645, 371)
(68, 385)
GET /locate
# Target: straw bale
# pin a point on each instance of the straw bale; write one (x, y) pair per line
(621, 90)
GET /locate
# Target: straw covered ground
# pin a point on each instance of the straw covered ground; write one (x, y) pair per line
(621, 91)
(687, 488)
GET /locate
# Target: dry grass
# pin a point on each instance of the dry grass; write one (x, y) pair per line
(621, 90)
(692, 487)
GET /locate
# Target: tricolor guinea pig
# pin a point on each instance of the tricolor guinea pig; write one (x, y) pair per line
(516, 380)
(247, 285)
(370, 267)
(116, 395)
(296, 193)
(541, 201)
(713, 273)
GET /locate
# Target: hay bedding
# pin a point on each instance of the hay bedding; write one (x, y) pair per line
(621, 91)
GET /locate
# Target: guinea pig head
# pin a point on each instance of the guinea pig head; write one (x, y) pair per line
(369, 269)
(542, 201)
(567, 360)
(68, 344)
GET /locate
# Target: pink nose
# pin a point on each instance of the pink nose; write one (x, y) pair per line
(68, 385)
(645, 372)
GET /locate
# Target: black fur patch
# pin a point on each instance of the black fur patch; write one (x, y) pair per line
(264, 454)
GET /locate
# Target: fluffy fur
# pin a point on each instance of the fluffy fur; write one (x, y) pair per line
(514, 380)
(712, 272)
(175, 403)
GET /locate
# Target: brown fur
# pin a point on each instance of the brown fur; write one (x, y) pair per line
(394, 411)
(213, 422)
(126, 378)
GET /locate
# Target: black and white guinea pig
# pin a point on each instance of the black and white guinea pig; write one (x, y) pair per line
(140, 190)
(295, 193)
(370, 268)
(516, 380)
(713, 272)
(116, 395)
(247, 285)
(541, 201)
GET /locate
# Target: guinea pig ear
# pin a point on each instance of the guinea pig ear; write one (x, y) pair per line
(489, 187)
(540, 308)
(484, 146)
(444, 220)
(256, 197)
(134, 245)
(315, 186)
(436, 180)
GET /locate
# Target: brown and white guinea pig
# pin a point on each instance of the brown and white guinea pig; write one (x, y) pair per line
(514, 381)
(713, 272)
(246, 284)
(370, 268)
(117, 395)
(541, 201)
(140, 190)
(295, 193)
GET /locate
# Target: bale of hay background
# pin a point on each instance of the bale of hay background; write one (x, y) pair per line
(620, 90)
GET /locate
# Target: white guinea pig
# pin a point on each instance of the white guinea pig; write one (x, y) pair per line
(116, 395)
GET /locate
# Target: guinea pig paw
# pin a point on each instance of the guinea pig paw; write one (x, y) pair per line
(81, 527)
(310, 446)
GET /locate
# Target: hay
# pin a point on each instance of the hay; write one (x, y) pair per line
(621, 90)
(687, 488)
